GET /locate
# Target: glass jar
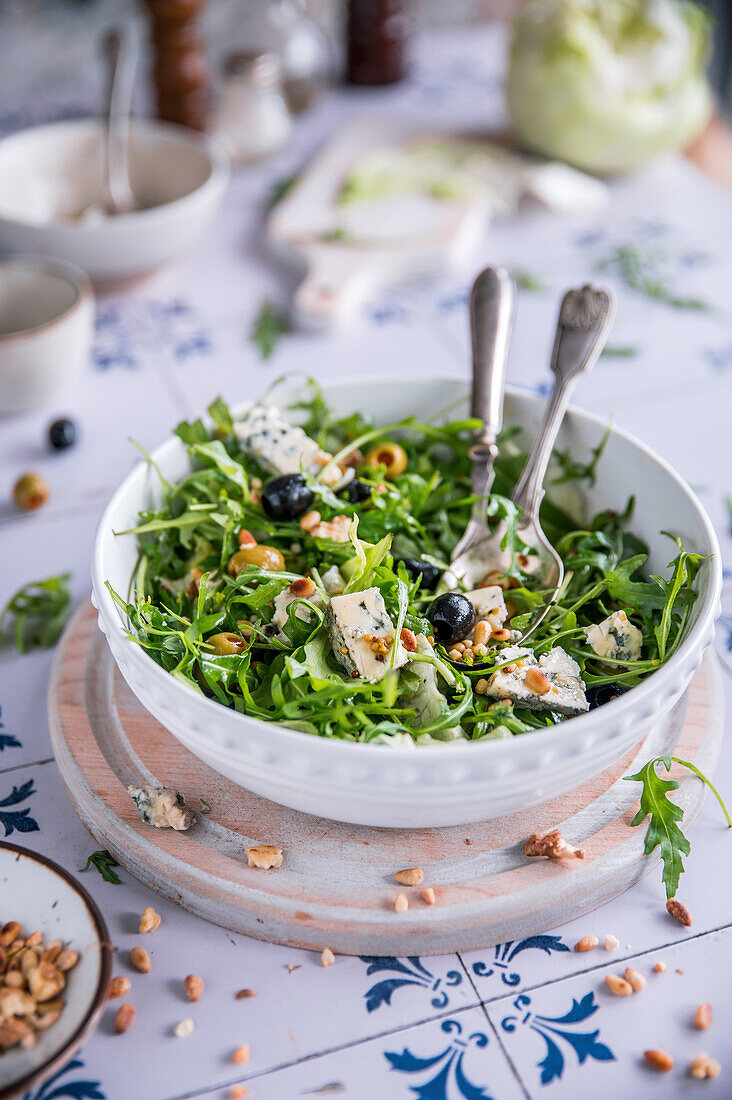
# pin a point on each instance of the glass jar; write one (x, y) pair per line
(283, 28)
(253, 118)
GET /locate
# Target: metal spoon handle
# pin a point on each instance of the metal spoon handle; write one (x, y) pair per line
(585, 318)
(121, 51)
(492, 307)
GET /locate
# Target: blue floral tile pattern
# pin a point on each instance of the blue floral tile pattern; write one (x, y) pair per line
(19, 821)
(7, 740)
(411, 971)
(62, 1086)
(556, 1030)
(505, 953)
(446, 1077)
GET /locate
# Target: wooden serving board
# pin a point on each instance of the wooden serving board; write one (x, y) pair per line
(336, 886)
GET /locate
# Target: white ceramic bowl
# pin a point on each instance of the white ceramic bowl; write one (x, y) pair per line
(41, 895)
(46, 328)
(438, 785)
(49, 173)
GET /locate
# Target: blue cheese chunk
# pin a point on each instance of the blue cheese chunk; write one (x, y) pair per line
(362, 635)
(162, 807)
(516, 681)
(615, 637)
(281, 447)
(489, 604)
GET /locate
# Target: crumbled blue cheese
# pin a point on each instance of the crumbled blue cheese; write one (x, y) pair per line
(303, 612)
(162, 807)
(615, 637)
(566, 694)
(489, 604)
(281, 447)
(360, 628)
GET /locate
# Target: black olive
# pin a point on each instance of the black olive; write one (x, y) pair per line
(430, 574)
(603, 693)
(62, 434)
(286, 497)
(452, 616)
(357, 491)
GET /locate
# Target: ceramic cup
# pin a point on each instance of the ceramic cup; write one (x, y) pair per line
(46, 325)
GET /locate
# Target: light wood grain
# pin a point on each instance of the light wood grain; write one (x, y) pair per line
(336, 885)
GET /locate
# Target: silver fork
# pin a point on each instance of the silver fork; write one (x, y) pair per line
(492, 308)
(585, 319)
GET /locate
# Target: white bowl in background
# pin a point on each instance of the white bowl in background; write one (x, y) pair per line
(453, 784)
(40, 894)
(46, 328)
(48, 174)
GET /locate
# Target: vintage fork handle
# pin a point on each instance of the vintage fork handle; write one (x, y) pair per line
(121, 52)
(585, 319)
(492, 308)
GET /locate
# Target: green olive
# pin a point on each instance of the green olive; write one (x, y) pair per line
(30, 492)
(225, 643)
(266, 557)
(391, 456)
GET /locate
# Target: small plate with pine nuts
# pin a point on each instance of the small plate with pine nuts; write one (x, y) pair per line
(55, 966)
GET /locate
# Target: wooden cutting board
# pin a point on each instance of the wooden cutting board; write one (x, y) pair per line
(336, 886)
(428, 236)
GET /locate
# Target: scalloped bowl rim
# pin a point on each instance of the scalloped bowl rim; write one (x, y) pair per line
(552, 737)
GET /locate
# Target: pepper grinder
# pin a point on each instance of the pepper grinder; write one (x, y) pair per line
(180, 71)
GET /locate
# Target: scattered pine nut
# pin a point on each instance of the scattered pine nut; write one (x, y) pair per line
(241, 1054)
(536, 681)
(412, 876)
(238, 1092)
(704, 1068)
(244, 994)
(327, 957)
(293, 966)
(264, 855)
(140, 960)
(659, 1060)
(9, 933)
(401, 903)
(67, 959)
(634, 979)
(119, 986)
(150, 920)
(659, 967)
(193, 987)
(703, 1016)
(428, 895)
(586, 943)
(123, 1019)
(679, 912)
(618, 986)
(611, 942)
(184, 1028)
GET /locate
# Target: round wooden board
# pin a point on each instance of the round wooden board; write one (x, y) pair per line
(336, 884)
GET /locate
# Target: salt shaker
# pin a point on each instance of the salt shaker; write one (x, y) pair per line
(253, 118)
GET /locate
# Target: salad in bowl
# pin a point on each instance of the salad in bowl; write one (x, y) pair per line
(294, 575)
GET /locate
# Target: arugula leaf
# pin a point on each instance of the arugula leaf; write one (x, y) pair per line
(619, 351)
(663, 829)
(103, 862)
(269, 326)
(39, 611)
(572, 470)
(525, 280)
(216, 452)
(639, 270)
(219, 412)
